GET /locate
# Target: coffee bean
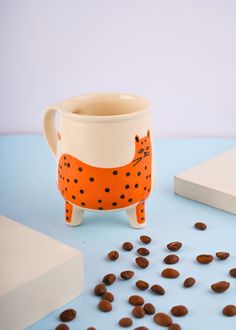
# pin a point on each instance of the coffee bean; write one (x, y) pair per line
(171, 259)
(158, 289)
(229, 310)
(162, 319)
(200, 226)
(174, 246)
(149, 309)
(91, 328)
(142, 262)
(188, 282)
(179, 310)
(127, 274)
(125, 322)
(105, 306)
(138, 312)
(220, 287)
(204, 259)
(136, 300)
(68, 315)
(145, 239)
(232, 272)
(100, 289)
(141, 328)
(127, 246)
(142, 285)
(222, 255)
(108, 296)
(174, 326)
(113, 255)
(143, 251)
(170, 273)
(109, 279)
(62, 326)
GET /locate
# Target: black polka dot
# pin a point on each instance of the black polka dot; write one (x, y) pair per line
(146, 176)
(66, 211)
(114, 203)
(75, 180)
(64, 164)
(67, 218)
(81, 191)
(115, 172)
(68, 180)
(149, 175)
(91, 179)
(145, 188)
(65, 189)
(130, 200)
(141, 142)
(128, 174)
(100, 208)
(142, 211)
(139, 173)
(127, 186)
(80, 169)
(83, 204)
(65, 157)
(148, 190)
(68, 164)
(73, 196)
(107, 189)
(99, 201)
(136, 185)
(122, 196)
(141, 218)
(63, 178)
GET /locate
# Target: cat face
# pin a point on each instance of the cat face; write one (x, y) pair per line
(142, 148)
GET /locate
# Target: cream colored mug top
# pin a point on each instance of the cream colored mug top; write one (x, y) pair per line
(99, 129)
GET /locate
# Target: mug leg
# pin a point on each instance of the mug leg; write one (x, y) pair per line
(73, 214)
(136, 215)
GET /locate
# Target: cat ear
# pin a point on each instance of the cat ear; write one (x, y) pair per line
(148, 133)
(137, 138)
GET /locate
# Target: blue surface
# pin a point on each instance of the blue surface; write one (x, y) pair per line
(29, 195)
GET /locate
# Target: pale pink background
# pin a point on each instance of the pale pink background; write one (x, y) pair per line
(179, 54)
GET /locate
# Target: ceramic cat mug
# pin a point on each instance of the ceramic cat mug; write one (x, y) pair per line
(103, 147)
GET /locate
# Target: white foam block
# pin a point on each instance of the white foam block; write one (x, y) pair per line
(213, 182)
(38, 275)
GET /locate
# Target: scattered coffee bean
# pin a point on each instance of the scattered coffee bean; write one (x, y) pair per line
(174, 246)
(62, 326)
(220, 287)
(127, 246)
(91, 328)
(136, 300)
(109, 279)
(188, 282)
(125, 322)
(142, 262)
(162, 319)
(204, 259)
(143, 251)
(108, 296)
(145, 239)
(142, 285)
(229, 310)
(105, 306)
(170, 273)
(158, 289)
(127, 274)
(179, 310)
(171, 259)
(174, 326)
(141, 328)
(113, 255)
(138, 312)
(200, 226)
(100, 289)
(68, 315)
(222, 255)
(149, 309)
(232, 272)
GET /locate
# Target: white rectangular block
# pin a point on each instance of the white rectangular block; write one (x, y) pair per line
(212, 182)
(38, 275)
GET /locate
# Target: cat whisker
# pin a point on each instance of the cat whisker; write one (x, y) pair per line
(137, 160)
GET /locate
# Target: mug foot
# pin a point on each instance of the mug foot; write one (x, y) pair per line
(136, 216)
(73, 215)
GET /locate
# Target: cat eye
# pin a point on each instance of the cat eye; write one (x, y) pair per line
(141, 151)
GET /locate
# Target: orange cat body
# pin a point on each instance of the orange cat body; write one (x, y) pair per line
(89, 187)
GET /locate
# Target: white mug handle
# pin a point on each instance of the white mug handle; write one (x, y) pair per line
(50, 128)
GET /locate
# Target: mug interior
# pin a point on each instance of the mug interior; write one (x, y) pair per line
(105, 105)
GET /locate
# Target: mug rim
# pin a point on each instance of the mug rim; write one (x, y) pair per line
(62, 107)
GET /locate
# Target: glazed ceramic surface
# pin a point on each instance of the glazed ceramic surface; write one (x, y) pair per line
(103, 147)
